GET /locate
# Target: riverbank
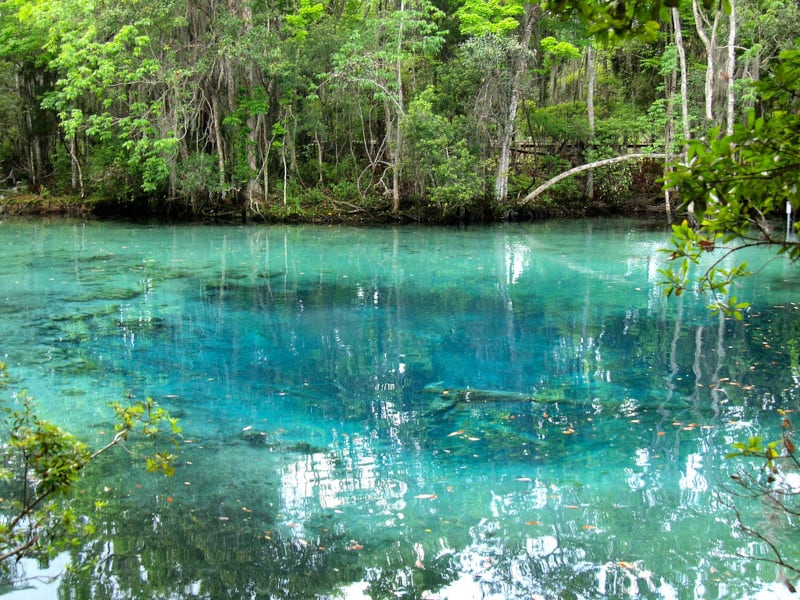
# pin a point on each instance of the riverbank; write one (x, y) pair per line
(318, 212)
(25, 205)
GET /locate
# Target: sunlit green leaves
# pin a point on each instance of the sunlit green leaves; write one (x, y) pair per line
(306, 15)
(559, 49)
(54, 455)
(484, 17)
(102, 92)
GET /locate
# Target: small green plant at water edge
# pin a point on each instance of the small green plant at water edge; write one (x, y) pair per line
(42, 464)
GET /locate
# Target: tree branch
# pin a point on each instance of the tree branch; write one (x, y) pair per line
(580, 169)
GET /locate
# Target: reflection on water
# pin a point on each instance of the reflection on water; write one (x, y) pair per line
(500, 412)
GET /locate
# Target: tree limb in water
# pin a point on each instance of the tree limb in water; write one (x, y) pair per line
(580, 169)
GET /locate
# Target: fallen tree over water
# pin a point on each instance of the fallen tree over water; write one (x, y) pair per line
(587, 167)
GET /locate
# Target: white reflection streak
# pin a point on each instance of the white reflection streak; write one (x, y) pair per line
(310, 477)
(516, 261)
(692, 480)
(325, 481)
(636, 480)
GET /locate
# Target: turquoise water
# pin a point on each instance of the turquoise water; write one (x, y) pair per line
(502, 412)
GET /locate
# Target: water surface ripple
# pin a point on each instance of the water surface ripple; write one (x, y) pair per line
(504, 412)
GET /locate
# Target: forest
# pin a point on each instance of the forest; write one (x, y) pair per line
(424, 110)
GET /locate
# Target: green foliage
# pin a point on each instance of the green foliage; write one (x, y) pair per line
(306, 15)
(610, 20)
(371, 55)
(565, 122)
(489, 17)
(559, 50)
(200, 178)
(144, 99)
(688, 247)
(737, 183)
(42, 465)
(345, 191)
(439, 160)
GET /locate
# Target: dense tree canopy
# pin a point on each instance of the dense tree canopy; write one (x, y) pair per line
(434, 110)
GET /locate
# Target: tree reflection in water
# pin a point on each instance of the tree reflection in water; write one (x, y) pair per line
(482, 413)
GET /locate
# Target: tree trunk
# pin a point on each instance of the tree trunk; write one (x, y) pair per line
(393, 140)
(218, 139)
(77, 172)
(731, 68)
(396, 152)
(669, 88)
(590, 72)
(710, 43)
(676, 23)
(507, 136)
(320, 157)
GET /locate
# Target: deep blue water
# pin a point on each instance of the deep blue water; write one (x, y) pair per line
(504, 412)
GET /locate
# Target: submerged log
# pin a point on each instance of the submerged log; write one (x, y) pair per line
(477, 395)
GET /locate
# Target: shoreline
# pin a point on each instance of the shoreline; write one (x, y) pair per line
(328, 212)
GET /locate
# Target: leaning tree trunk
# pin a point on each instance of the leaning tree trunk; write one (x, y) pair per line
(587, 167)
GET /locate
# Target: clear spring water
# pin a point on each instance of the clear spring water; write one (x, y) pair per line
(503, 412)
